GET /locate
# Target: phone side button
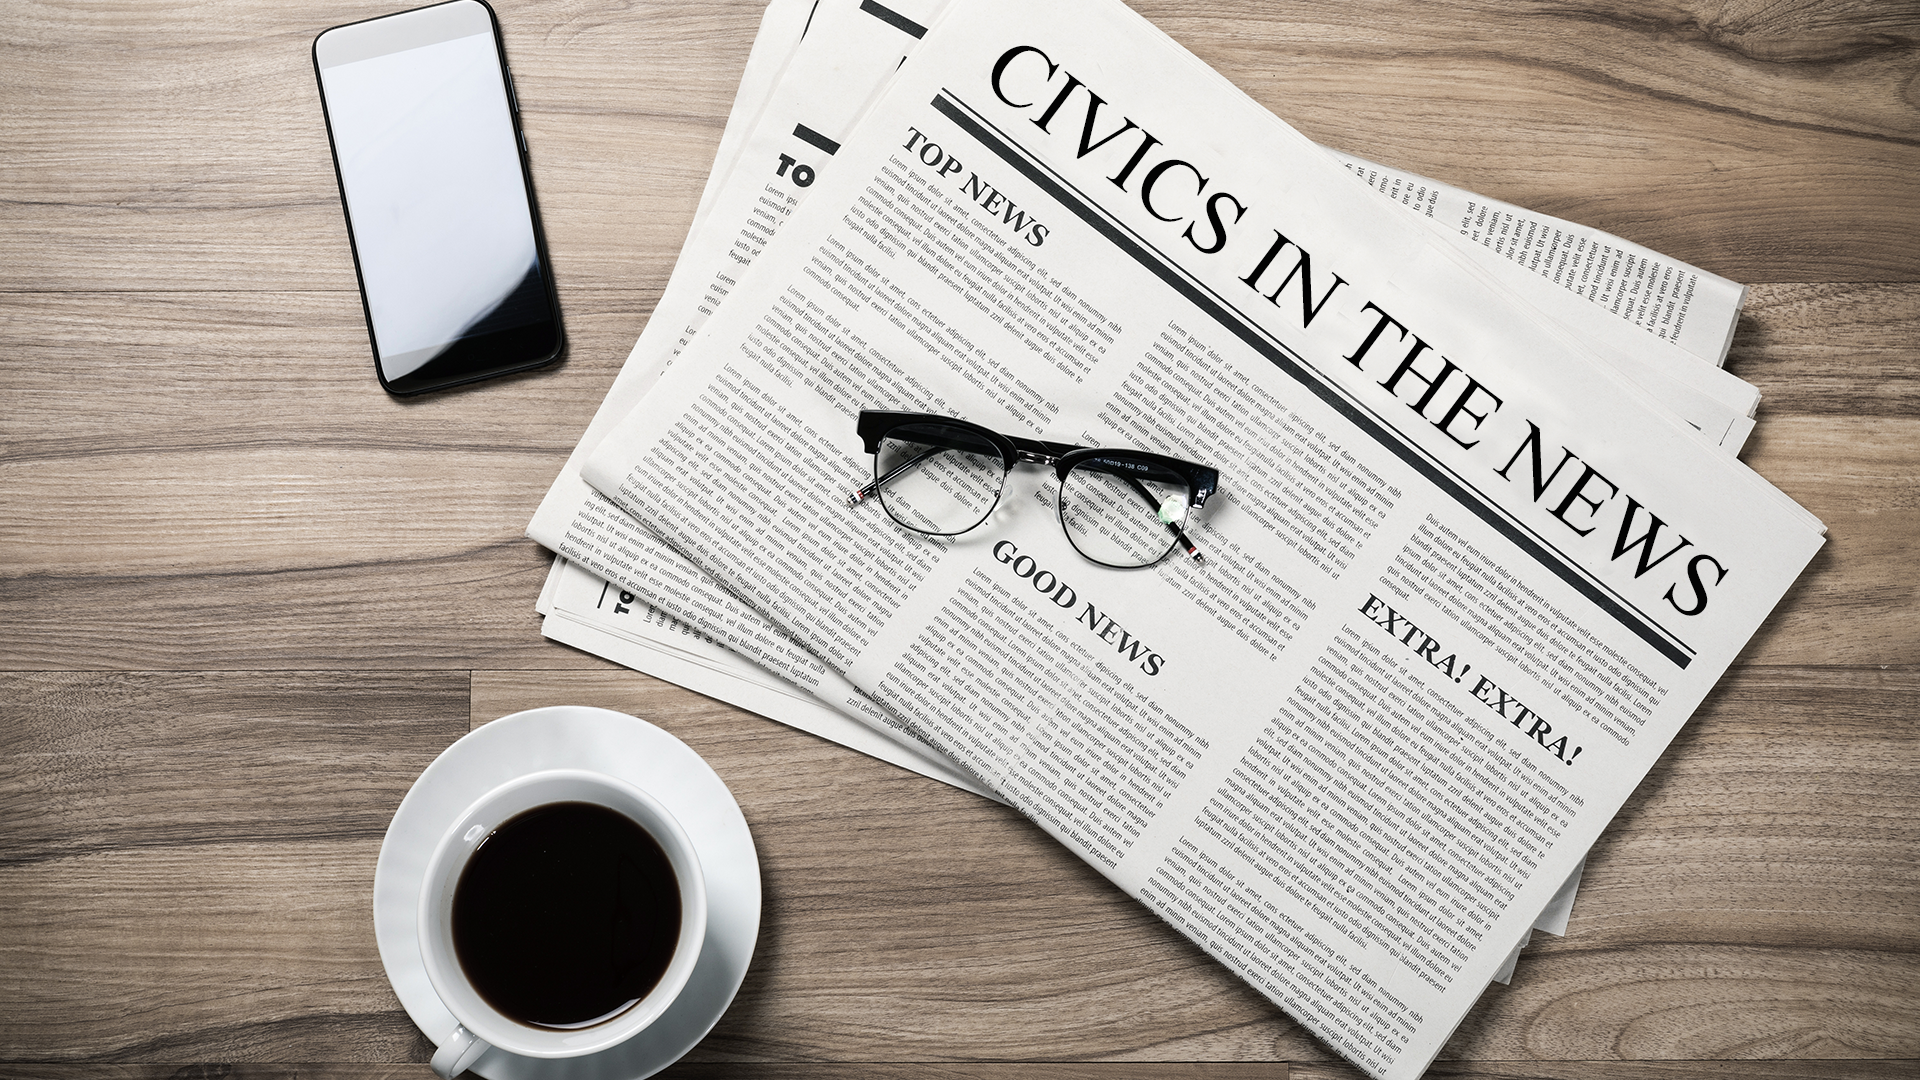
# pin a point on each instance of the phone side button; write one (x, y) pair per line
(523, 143)
(513, 98)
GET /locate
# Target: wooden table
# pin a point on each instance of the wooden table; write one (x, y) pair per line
(247, 597)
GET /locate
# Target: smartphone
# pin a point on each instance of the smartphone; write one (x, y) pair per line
(435, 183)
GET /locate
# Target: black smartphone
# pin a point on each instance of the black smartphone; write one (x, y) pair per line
(438, 194)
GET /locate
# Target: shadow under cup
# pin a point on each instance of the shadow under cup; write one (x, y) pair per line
(548, 910)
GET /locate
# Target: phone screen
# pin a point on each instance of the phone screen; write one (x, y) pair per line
(451, 261)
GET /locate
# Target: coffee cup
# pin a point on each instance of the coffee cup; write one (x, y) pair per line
(547, 917)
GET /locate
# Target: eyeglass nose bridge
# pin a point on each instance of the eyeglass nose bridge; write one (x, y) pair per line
(1034, 457)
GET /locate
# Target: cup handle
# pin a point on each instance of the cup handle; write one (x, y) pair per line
(461, 1049)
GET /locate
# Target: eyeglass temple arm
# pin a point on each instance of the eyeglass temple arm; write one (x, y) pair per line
(1192, 549)
(867, 490)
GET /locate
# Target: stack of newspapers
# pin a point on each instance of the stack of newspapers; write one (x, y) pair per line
(1479, 544)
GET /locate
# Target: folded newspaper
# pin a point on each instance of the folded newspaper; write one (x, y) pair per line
(583, 611)
(851, 48)
(1479, 547)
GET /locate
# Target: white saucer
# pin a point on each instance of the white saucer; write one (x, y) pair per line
(575, 737)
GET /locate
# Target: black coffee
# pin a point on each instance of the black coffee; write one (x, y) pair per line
(566, 915)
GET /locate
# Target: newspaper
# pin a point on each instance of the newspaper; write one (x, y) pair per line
(1480, 480)
(1667, 298)
(631, 632)
(863, 42)
(580, 611)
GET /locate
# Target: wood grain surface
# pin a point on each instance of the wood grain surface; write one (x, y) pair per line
(245, 597)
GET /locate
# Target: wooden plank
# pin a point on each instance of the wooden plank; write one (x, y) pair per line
(1751, 864)
(296, 365)
(1638, 1070)
(202, 161)
(296, 360)
(998, 1070)
(697, 1071)
(1750, 824)
(456, 610)
(1707, 926)
(297, 517)
(99, 763)
(419, 577)
(1699, 1002)
(228, 951)
(188, 861)
(300, 468)
(1159, 1070)
(1830, 349)
(1714, 135)
(1854, 604)
(1726, 142)
(1778, 67)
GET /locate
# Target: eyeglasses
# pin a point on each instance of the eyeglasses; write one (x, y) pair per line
(941, 476)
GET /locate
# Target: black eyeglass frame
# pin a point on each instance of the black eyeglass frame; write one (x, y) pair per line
(875, 425)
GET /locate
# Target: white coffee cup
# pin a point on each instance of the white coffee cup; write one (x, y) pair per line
(481, 1026)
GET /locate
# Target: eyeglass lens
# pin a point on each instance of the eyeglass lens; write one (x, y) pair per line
(938, 478)
(1123, 512)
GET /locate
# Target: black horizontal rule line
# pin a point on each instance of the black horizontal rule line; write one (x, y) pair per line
(808, 135)
(893, 18)
(1230, 318)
